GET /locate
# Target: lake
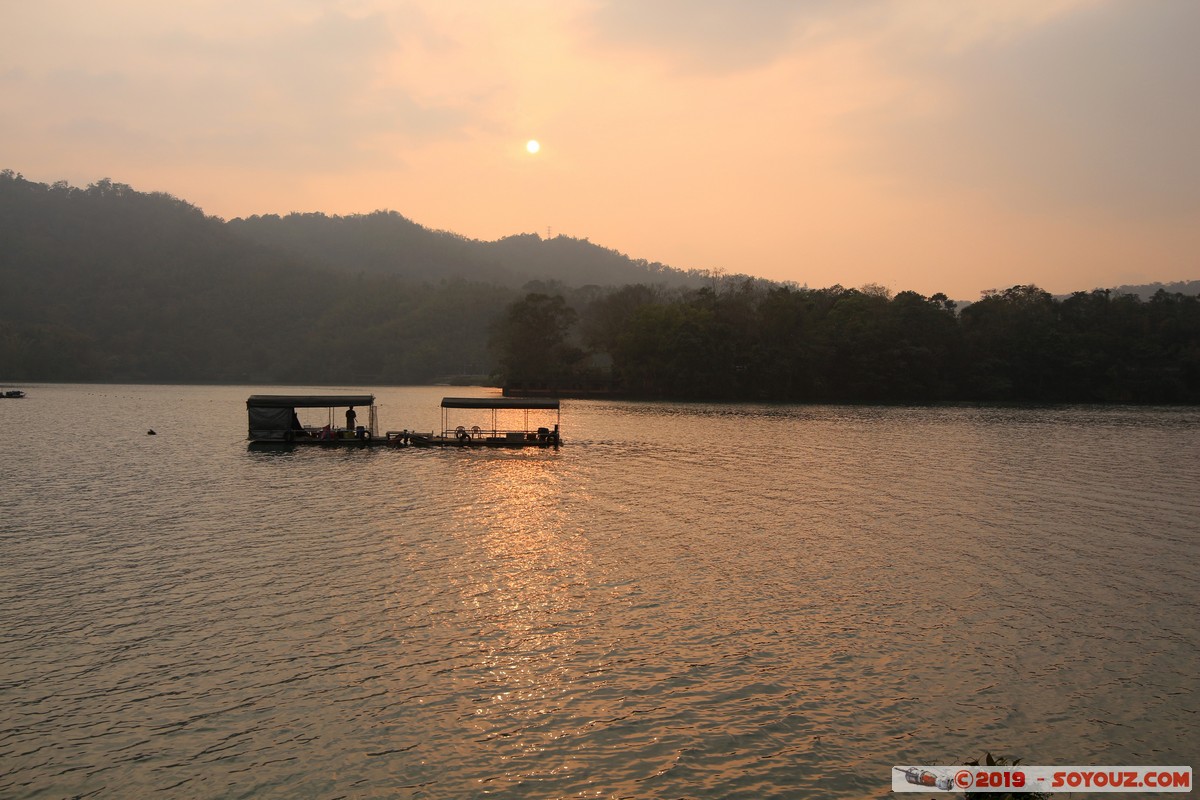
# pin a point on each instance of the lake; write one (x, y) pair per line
(703, 601)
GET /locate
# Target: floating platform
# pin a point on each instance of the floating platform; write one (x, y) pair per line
(274, 421)
(496, 435)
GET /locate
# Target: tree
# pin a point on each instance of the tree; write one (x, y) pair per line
(1014, 345)
(530, 341)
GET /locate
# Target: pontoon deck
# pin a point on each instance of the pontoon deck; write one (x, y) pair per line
(492, 433)
(275, 419)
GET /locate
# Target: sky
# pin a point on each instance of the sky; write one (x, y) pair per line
(925, 145)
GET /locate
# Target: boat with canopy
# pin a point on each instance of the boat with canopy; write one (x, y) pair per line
(275, 419)
(493, 422)
(317, 419)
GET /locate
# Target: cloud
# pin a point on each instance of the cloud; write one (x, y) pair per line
(714, 36)
(1084, 106)
(1088, 111)
(290, 86)
(768, 136)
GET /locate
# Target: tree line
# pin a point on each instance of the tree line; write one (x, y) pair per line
(749, 341)
(106, 283)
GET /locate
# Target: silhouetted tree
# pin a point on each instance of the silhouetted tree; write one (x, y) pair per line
(531, 344)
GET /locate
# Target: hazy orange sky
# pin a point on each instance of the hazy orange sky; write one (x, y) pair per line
(934, 145)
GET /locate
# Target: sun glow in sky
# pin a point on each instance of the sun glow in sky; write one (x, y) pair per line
(918, 144)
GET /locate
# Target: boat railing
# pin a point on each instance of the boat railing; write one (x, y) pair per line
(475, 433)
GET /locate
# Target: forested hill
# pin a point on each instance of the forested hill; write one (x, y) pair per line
(108, 283)
(1145, 291)
(386, 243)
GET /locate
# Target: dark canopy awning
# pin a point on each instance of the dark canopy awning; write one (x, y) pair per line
(499, 402)
(309, 400)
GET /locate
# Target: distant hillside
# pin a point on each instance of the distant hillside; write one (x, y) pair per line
(108, 283)
(386, 243)
(1147, 290)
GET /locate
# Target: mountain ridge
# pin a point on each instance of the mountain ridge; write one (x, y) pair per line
(107, 283)
(386, 242)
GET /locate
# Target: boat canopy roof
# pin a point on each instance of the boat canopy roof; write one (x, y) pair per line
(309, 400)
(499, 402)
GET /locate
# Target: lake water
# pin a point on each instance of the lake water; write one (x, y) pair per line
(699, 601)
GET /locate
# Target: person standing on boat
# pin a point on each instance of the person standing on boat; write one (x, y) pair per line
(351, 418)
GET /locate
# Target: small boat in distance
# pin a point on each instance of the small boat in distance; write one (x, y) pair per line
(274, 420)
(12, 394)
(495, 435)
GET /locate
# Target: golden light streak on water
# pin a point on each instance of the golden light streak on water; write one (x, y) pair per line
(703, 601)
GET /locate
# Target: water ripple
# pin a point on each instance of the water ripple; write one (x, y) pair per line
(699, 601)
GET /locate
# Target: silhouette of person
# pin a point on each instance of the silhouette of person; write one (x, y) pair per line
(351, 418)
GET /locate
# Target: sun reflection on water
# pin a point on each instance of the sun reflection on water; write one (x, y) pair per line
(526, 587)
(684, 601)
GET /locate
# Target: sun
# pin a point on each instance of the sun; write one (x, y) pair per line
(532, 146)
